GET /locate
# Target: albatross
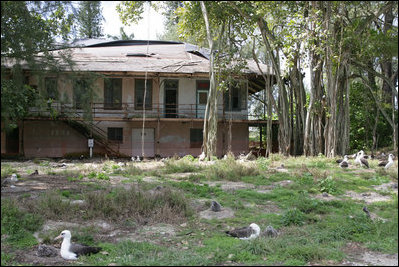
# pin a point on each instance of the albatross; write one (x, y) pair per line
(361, 160)
(387, 164)
(249, 232)
(71, 251)
(344, 163)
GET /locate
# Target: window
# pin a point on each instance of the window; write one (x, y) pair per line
(51, 88)
(115, 134)
(139, 94)
(232, 99)
(113, 93)
(196, 138)
(81, 95)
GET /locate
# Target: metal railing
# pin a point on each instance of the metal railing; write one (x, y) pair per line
(130, 111)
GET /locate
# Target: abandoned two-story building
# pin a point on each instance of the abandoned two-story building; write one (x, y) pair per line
(145, 98)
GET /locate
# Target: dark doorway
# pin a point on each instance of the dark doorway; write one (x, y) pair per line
(12, 141)
(171, 99)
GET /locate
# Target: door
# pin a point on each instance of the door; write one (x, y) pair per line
(137, 142)
(12, 141)
(202, 98)
(170, 103)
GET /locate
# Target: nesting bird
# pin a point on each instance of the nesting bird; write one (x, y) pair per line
(270, 231)
(387, 164)
(14, 178)
(202, 156)
(344, 163)
(361, 160)
(36, 172)
(248, 232)
(215, 206)
(71, 251)
(366, 211)
(46, 251)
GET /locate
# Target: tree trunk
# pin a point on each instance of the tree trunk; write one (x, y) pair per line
(282, 111)
(210, 118)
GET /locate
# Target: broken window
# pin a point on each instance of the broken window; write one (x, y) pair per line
(113, 93)
(50, 84)
(139, 93)
(233, 98)
(115, 134)
(81, 95)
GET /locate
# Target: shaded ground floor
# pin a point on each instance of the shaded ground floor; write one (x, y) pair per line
(164, 138)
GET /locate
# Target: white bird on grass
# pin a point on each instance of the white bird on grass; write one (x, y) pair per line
(202, 156)
(249, 232)
(71, 251)
(387, 164)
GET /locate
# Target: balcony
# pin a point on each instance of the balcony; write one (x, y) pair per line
(128, 111)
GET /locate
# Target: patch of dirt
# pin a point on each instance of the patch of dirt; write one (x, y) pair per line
(153, 233)
(222, 214)
(231, 186)
(388, 187)
(368, 197)
(326, 197)
(39, 183)
(359, 256)
(29, 257)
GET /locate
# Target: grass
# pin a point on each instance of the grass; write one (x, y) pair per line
(311, 229)
(18, 225)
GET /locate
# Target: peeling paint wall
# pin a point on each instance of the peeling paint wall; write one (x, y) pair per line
(55, 138)
(51, 139)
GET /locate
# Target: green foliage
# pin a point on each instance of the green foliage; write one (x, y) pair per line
(186, 164)
(362, 117)
(328, 185)
(89, 19)
(19, 225)
(7, 170)
(293, 216)
(229, 169)
(16, 98)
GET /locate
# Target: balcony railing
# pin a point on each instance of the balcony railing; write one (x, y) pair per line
(129, 111)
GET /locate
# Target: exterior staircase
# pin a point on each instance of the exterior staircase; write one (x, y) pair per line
(90, 130)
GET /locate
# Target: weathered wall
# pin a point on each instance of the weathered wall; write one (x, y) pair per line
(51, 139)
(55, 139)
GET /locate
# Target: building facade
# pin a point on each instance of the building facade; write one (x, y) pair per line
(134, 98)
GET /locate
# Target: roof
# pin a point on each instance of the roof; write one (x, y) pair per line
(100, 55)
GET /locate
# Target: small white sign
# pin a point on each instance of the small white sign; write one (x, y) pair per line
(91, 142)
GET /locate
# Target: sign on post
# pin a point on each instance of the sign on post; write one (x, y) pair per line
(91, 144)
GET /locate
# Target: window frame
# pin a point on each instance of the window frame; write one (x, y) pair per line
(54, 91)
(113, 135)
(148, 104)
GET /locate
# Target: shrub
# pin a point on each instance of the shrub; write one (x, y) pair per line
(6, 170)
(229, 169)
(262, 163)
(328, 185)
(293, 216)
(180, 166)
(102, 176)
(162, 205)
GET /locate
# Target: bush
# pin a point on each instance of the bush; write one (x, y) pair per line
(229, 169)
(293, 216)
(328, 185)
(162, 205)
(180, 166)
